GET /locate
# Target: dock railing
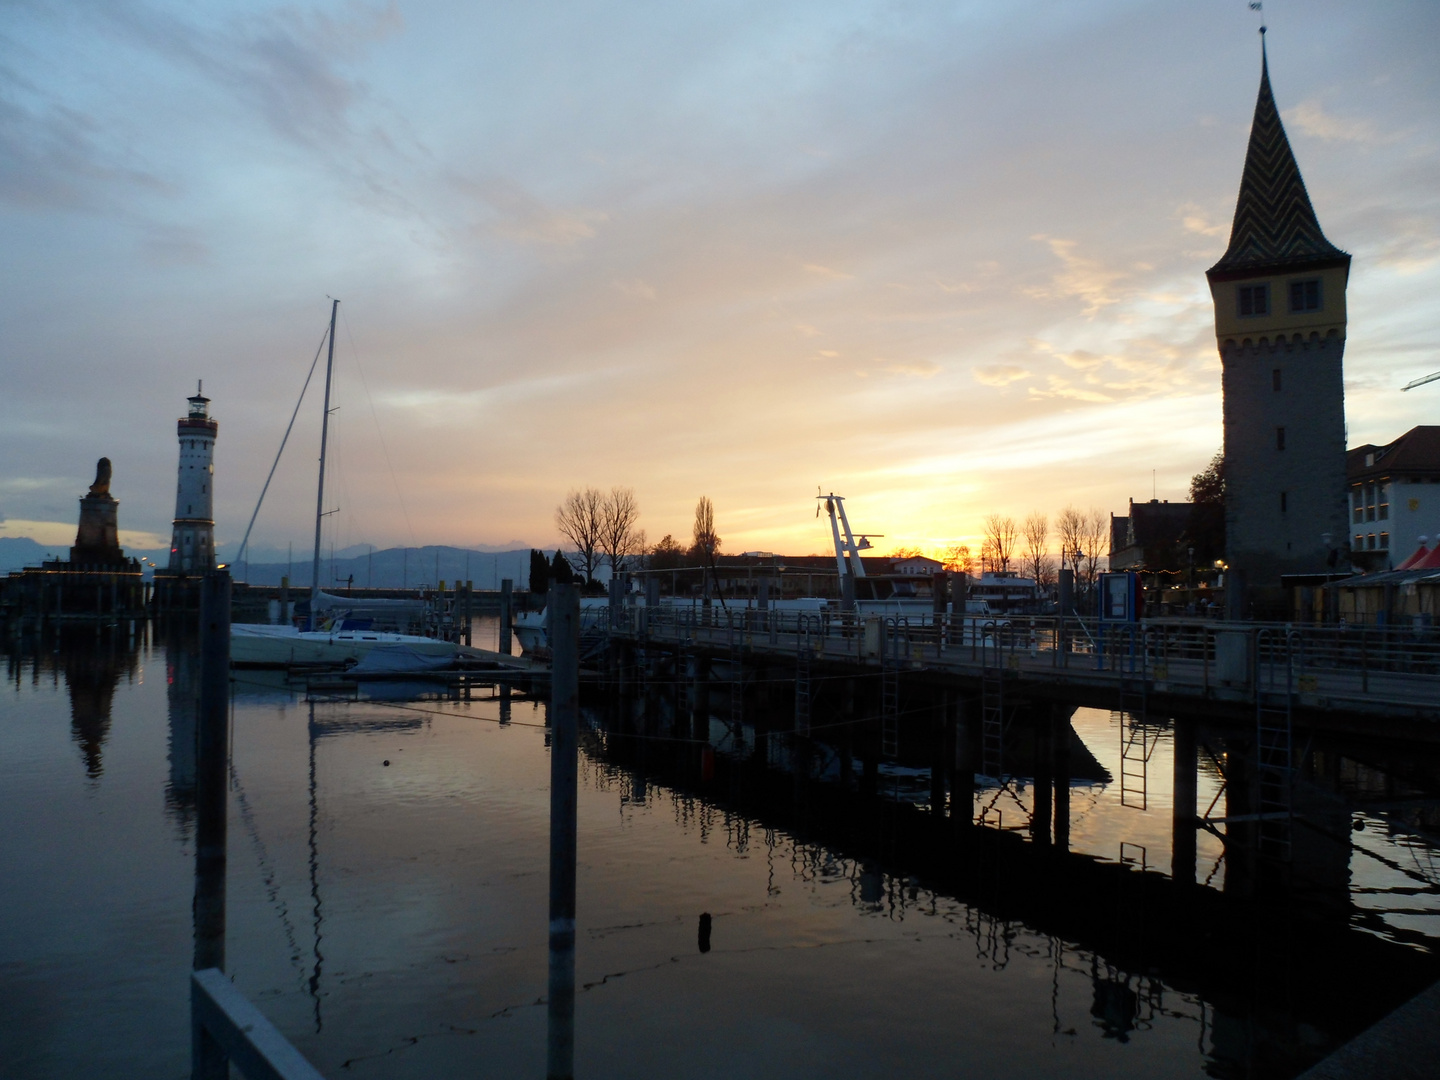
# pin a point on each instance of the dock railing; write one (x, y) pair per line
(222, 1014)
(1337, 662)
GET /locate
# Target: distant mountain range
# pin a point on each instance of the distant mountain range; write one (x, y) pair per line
(392, 568)
(18, 552)
(398, 568)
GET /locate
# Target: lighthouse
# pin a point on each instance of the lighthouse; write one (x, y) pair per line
(192, 542)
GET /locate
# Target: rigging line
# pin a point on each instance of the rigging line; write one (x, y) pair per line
(240, 555)
(379, 432)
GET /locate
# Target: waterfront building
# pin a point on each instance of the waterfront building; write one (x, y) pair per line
(1394, 497)
(1151, 536)
(1279, 294)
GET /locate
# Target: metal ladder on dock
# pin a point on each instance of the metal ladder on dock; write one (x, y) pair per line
(737, 679)
(890, 691)
(992, 710)
(1138, 735)
(1274, 749)
(803, 691)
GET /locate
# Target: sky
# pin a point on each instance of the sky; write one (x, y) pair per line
(943, 259)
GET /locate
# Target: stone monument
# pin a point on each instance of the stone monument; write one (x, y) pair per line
(98, 538)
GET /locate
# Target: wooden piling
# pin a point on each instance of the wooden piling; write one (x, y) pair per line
(564, 739)
(212, 745)
(507, 616)
(1182, 845)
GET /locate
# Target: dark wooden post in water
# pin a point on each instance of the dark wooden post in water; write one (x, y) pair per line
(1044, 787)
(1182, 844)
(1060, 744)
(212, 745)
(469, 608)
(962, 790)
(507, 615)
(564, 739)
(1066, 590)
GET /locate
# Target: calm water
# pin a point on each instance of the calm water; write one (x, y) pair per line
(391, 919)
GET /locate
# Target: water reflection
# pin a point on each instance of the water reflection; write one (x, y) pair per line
(94, 659)
(1289, 955)
(182, 695)
(732, 872)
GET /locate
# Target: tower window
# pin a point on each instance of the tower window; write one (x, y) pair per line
(1254, 300)
(1383, 502)
(1275, 378)
(1284, 501)
(1385, 541)
(1305, 295)
(1279, 438)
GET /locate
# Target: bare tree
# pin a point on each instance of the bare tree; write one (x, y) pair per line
(620, 540)
(957, 559)
(906, 553)
(1037, 558)
(706, 542)
(1070, 527)
(988, 559)
(581, 520)
(1093, 542)
(1000, 533)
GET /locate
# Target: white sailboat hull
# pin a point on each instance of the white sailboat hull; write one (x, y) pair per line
(284, 646)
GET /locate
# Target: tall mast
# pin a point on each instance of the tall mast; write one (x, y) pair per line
(320, 487)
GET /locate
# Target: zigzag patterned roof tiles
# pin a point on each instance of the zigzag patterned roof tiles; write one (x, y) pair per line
(1275, 227)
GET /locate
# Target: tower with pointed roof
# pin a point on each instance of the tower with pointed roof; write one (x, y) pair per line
(1279, 293)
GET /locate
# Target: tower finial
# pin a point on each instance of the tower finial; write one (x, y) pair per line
(1255, 5)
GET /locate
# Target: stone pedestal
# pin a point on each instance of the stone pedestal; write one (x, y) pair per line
(98, 538)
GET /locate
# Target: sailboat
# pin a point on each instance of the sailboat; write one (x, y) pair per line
(332, 643)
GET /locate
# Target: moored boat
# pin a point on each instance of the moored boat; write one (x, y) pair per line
(374, 651)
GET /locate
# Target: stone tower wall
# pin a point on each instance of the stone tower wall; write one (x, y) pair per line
(1265, 537)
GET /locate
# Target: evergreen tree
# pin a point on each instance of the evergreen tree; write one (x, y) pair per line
(539, 573)
(560, 570)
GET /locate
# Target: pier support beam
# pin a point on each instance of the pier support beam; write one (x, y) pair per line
(1060, 748)
(1040, 817)
(1182, 844)
(962, 791)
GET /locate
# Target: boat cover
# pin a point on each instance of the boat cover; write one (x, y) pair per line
(396, 659)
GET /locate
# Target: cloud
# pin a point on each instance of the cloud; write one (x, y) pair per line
(527, 219)
(1086, 278)
(1310, 118)
(1195, 220)
(920, 369)
(638, 288)
(827, 272)
(1000, 374)
(54, 156)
